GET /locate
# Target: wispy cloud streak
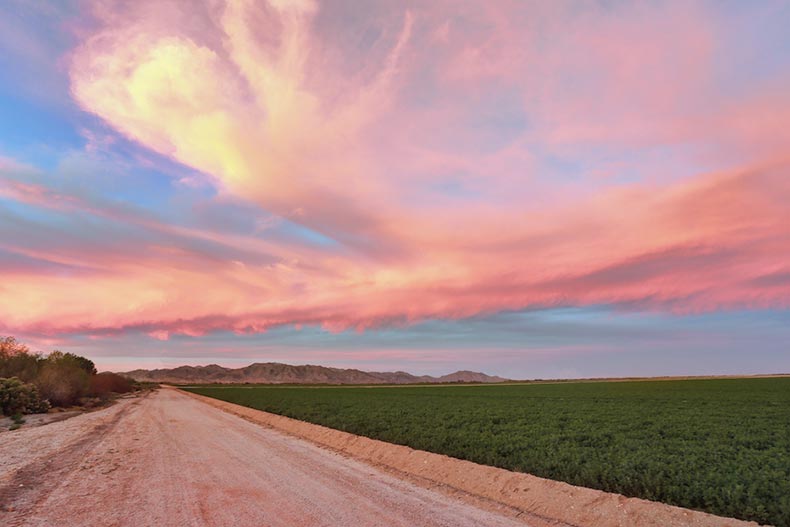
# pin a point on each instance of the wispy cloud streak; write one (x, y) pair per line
(438, 161)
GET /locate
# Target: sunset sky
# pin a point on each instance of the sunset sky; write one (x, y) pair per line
(530, 189)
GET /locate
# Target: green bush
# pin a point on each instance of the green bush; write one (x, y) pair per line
(61, 378)
(70, 359)
(64, 378)
(17, 397)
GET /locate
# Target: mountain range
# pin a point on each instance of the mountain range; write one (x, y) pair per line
(276, 373)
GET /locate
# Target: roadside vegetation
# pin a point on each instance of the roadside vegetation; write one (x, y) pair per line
(34, 383)
(722, 446)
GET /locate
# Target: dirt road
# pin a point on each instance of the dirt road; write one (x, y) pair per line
(168, 459)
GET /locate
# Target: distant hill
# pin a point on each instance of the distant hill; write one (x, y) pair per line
(276, 373)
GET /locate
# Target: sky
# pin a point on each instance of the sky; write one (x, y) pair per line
(529, 189)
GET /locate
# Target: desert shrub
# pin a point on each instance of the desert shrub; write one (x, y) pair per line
(64, 378)
(63, 383)
(17, 397)
(17, 361)
(105, 383)
(61, 378)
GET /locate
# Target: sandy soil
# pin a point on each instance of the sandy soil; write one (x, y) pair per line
(169, 459)
(34, 420)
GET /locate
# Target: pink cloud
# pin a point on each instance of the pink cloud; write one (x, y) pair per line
(686, 249)
(389, 140)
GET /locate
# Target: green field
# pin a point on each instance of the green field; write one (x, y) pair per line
(719, 445)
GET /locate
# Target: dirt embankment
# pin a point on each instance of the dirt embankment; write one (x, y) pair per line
(537, 498)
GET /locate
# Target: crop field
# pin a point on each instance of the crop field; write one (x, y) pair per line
(719, 445)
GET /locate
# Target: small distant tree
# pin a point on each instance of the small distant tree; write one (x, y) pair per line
(64, 378)
(58, 357)
(10, 346)
(17, 397)
(17, 361)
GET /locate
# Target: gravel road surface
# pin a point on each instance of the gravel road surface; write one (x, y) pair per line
(168, 459)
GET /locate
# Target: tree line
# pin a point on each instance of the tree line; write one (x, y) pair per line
(33, 382)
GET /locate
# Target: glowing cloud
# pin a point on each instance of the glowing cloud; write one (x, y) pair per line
(445, 161)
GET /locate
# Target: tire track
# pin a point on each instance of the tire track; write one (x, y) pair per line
(33, 483)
